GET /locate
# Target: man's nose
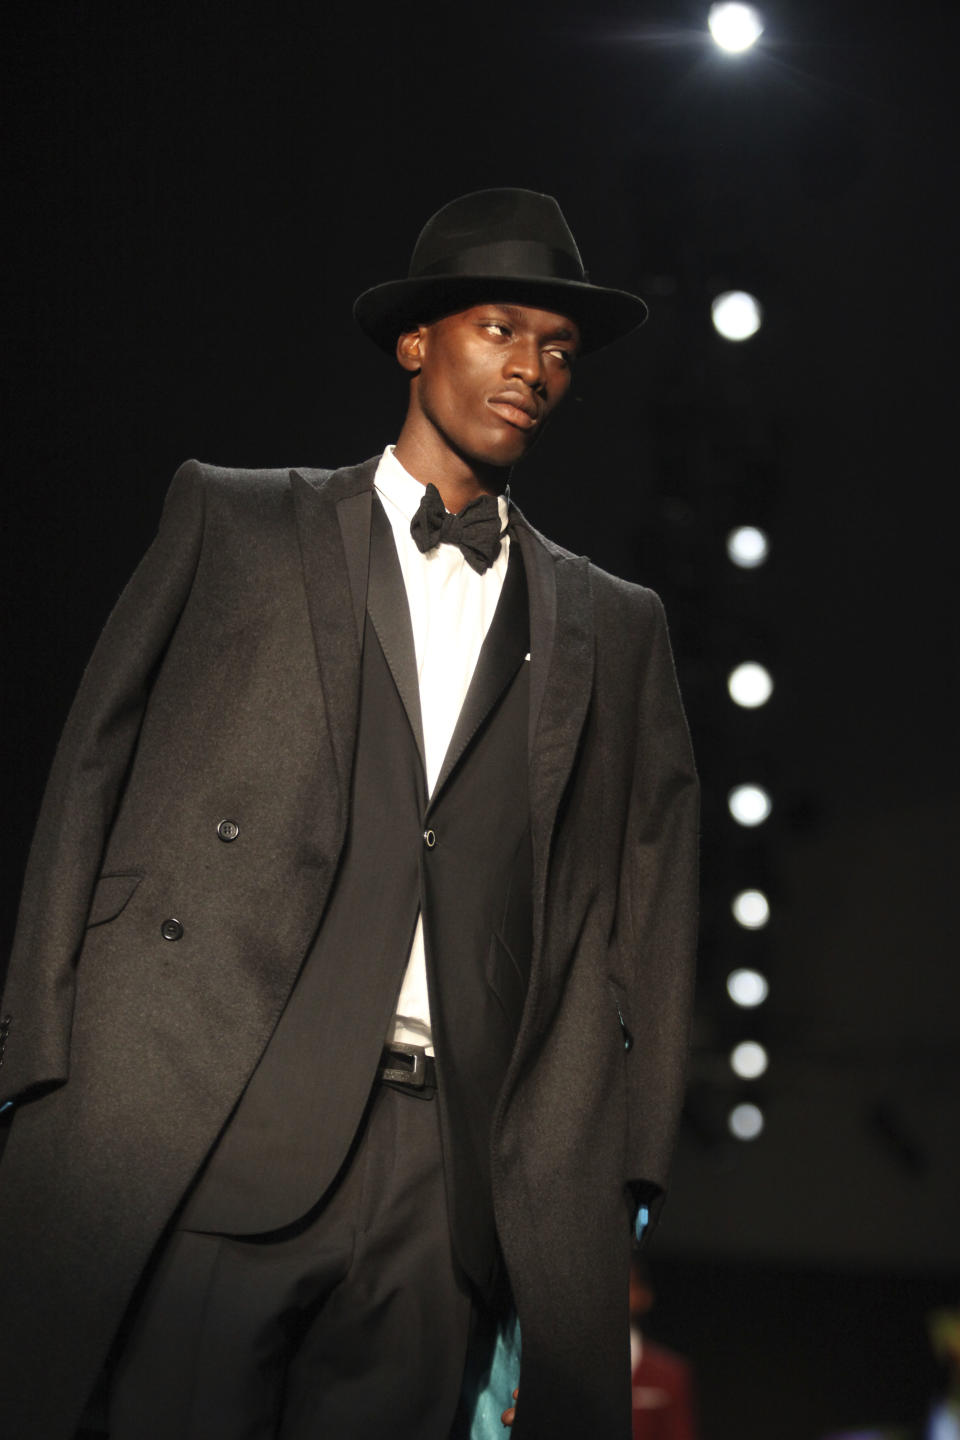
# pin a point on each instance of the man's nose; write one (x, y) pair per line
(525, 362)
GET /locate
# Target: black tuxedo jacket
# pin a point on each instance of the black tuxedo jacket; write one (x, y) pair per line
(226, 685)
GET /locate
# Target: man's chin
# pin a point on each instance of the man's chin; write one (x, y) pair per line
(508, 451)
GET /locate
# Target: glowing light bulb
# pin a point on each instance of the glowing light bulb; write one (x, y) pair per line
(734, 27)
(750, 685)
(745, 1121)
(736, 314)
(747, 988)
(747, 547)
(749, 1059)
(751, 909)
(749, 804)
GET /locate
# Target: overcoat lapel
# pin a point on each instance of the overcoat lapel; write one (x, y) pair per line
(561, 681)
(333, 522)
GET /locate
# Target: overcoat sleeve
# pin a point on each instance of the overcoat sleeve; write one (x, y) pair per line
(82, 795)
(655, 944)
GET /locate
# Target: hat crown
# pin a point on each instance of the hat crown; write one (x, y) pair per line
(511, 246)
(498, 233)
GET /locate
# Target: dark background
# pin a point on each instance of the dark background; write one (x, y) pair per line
(193, 198)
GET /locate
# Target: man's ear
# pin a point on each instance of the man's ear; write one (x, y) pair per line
(409, 351)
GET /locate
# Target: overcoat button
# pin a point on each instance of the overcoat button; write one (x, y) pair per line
(171, 929)
(228, 829)
(430, 836)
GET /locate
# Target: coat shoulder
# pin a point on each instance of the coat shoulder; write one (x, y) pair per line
(230, 480)
(621, 596)
(237, 485)
(630, 623)
(232, 496)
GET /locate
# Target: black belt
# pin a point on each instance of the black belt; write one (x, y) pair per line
(408, 1065)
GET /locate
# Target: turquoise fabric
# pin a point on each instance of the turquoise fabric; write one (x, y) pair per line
(491, 1376)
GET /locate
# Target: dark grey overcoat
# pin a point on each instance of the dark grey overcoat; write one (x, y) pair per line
(226, 684)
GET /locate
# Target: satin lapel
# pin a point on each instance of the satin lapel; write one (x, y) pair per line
(503, 650)
(329, 580)
(561, 679)
(390, 614)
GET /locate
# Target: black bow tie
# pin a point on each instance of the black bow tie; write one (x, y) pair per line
(475, 531)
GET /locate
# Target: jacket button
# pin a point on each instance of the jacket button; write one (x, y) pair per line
(228, 829)
(171, 929)
(430, 838)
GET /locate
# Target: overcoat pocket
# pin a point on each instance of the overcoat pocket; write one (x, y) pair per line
(111, 894)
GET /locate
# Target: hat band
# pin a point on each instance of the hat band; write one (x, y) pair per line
(504, 259)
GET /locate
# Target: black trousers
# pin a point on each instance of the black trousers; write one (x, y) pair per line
(351, 1325)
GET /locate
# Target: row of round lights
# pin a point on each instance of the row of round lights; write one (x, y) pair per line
(737, 316)
(749, 685)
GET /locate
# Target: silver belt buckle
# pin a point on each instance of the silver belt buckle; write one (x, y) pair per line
(417, 1077)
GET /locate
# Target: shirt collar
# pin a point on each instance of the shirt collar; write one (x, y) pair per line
(399, 487)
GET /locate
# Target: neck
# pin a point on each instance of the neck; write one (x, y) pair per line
(458, 479)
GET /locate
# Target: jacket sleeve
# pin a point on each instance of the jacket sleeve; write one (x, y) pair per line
(657, 919)
(82, 795)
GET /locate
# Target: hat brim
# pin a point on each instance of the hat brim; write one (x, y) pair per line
(385, 312)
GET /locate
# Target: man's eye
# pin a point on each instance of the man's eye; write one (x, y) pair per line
(564, 356)
(497, 325)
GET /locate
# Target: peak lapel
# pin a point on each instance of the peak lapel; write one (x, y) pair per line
(333, 525)
(503, 650)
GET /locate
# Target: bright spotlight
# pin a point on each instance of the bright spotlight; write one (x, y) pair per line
(747, 988)
(745, 1121)
(734, 27)
(747, 547)
(749, 804)
(751, 909)
(750, 685)
(748, 1060)
(736, 314)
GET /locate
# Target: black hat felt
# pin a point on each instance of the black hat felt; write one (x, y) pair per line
(497, 245)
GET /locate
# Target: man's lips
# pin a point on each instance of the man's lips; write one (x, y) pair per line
(516, 408)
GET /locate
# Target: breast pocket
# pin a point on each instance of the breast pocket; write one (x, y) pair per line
(111, 895)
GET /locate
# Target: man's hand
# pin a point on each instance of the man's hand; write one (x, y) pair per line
(510, 1415)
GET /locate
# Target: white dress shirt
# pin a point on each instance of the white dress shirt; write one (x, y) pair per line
(451, 608)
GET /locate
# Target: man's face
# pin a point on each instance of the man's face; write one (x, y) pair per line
(487, 379)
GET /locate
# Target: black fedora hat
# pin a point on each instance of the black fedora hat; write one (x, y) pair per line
(506, 245)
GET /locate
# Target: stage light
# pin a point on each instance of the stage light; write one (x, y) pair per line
(749, 804)
(734, 27)
(747, 988)
(736, 314)
(745, 1121)
(747, 547)
(751, 909)
(749, 1060)
(750, 685)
